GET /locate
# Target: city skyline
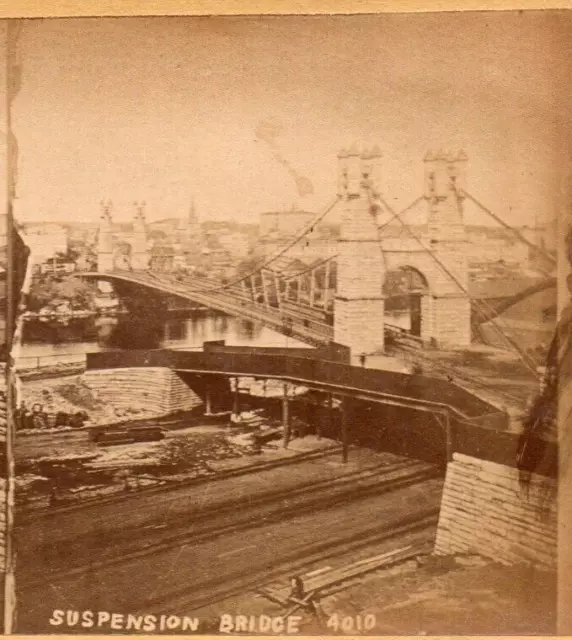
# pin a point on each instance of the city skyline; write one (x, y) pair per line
(246, 115)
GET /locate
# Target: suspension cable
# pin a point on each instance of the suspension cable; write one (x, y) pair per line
(388, 222)
(510, 342)
(321, 263)
(303, 232)
(279, 252)
(379, 228)
(516, 232)
(394, 215)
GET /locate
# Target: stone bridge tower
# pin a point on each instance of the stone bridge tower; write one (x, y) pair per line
(139, 253)
(105, 239)
(368, 250)
(448, 309)
(359, 303)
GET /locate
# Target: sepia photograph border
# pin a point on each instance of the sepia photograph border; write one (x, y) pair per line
(14, 9)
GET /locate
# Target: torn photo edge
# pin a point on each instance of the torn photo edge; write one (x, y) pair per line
(17, 275)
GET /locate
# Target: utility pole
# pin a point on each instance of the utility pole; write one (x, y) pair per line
(208, 399)
(330, 414)
(448, 436)
(286, 416)
(235, 399)
(344, 430)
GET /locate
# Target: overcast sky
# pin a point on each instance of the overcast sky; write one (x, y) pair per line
(247, 114)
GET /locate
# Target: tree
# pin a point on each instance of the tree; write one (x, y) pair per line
(77, 292)
(157, 235)
(71, 255)
(52, 291)
(42, 293)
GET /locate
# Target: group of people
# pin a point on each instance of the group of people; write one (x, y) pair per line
(37, 418)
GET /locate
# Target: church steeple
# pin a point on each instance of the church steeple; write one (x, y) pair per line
(139, 257)
(105, 238)
(191, 234)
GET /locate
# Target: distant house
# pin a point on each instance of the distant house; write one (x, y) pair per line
(278, 227)
(284, 223)
(237, 244)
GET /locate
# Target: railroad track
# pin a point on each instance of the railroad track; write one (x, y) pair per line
(27, 515)
(359, 485)
(211, 592)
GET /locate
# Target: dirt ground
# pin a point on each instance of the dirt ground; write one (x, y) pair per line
(452, 596)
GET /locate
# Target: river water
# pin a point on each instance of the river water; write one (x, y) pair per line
(48, 341)
(59, 341)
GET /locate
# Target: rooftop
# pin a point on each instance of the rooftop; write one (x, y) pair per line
(288, 212)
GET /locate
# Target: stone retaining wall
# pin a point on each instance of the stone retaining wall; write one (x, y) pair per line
(485, 511)
(156, 390)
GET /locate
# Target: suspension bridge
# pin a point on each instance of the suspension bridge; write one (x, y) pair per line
(341, 298)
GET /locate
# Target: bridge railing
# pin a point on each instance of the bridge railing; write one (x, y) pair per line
(27, 363)
(123, 359)
(332, 352)
(422, 388)
(304, 328)
(490, 441)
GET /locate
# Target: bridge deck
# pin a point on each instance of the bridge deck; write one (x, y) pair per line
(232, 301)
(300, 321)
(417, 392)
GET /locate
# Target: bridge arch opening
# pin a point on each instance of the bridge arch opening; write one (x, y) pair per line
(404, 289)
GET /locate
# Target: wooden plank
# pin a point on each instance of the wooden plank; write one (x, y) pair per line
(336, 576)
